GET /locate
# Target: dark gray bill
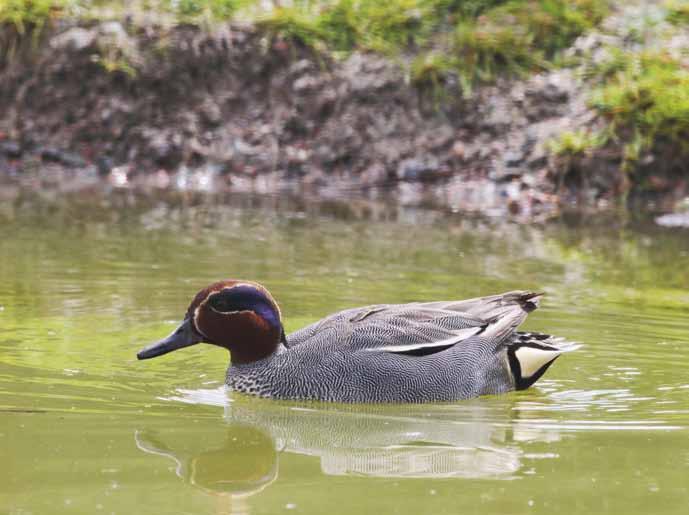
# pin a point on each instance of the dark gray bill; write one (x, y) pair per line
(183, 336)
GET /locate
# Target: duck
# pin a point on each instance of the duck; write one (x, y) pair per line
(438, 351)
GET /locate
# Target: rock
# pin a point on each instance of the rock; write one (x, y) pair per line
(325, 101)
(296, 154)
(244, 148)
(63, 157)
(441, 137)
(104, 165)
(497, 115)
(164, 151)
(368, 74)
(502, 174)
(301, 66)
(324, 153)
(673, 220)
(75, 38)
(373, 175)
(555, 92)
(113, 41)
(210, 112)
(538, 156)
(459, 149)
(418, 169)
(113, 29)
(119, 176)
(513, 158)
(11, 149)
(307, 84)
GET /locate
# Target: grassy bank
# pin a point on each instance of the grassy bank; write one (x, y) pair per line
(474, 41)
(637, 88)
(645, 101)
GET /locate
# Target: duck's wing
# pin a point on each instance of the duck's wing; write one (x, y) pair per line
(420, 329)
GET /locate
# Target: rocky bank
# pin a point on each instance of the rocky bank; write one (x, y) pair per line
(232, 109)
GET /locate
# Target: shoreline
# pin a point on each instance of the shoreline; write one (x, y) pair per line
(231, 108)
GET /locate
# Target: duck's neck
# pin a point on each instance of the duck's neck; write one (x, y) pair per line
(255, 354)
(237, 359)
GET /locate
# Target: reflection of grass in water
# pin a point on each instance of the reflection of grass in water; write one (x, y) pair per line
(86, 363)
(625, 267)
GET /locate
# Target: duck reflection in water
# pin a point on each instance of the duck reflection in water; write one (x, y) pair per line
(240, 463)
(474, 440)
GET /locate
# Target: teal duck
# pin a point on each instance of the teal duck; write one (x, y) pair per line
(417, 352)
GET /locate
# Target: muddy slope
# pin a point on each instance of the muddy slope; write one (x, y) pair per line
(181, 106)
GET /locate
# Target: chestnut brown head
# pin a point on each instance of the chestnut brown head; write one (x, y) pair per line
(240, 316)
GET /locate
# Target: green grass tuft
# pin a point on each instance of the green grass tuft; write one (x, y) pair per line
(347, 25)
(292, 23)
(677, 11)
(25, 14)
(521, 36)
(431, 69)
(475, 40)
(218, 9)
(580, 142)
(646, 102)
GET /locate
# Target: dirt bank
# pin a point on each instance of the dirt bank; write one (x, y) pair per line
(232, 109)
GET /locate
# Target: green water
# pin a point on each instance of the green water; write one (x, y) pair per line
(85, 428)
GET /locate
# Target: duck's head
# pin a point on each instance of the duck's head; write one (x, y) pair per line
(240, 316)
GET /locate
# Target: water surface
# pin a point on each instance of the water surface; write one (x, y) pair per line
(85, 428)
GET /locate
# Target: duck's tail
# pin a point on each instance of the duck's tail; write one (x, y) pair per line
(503, 313)
(492, 306)
(530, 355)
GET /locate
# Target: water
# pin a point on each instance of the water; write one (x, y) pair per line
(85, 428)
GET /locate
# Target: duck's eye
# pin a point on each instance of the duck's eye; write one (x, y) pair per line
(226, 302)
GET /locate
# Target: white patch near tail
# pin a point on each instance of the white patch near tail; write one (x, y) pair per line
(530, 355)
(532, 359)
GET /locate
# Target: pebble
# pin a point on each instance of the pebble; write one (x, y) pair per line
(11, 149)
(66, 158)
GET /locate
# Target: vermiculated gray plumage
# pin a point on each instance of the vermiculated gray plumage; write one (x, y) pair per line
(419, 352)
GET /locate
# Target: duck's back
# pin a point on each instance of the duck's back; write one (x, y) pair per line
(419, 352)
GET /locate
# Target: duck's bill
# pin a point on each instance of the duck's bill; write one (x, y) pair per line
(183, 336)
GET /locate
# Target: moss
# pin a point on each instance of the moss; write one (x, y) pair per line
(219, 9)
(431, 69)
(475, 40)
(291, 23)
(25, 14)
(486, 50)
(577, 143)
(678, 11)
(521, 36)
(380, 26)
(37, 13)
(346, 25)
(430, 73)
(646, 103)
(117, 65)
